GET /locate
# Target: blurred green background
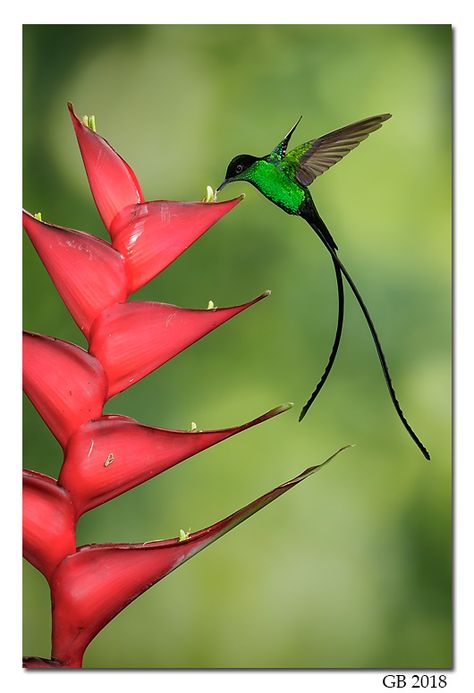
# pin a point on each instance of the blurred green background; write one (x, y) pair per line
(353, 568)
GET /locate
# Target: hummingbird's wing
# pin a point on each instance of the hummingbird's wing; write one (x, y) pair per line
(312, 158)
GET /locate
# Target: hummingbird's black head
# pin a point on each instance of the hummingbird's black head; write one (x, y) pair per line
(239, 164)
(237, 167)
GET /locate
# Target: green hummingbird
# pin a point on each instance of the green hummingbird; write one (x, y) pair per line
(284, 179)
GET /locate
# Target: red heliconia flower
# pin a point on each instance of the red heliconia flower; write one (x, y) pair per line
(94, 584)
(67, 385)
(49, 522)
(132, 339)
(88, 273)
(150, 235)
(113, 454)
(106, 455)
(112, 181)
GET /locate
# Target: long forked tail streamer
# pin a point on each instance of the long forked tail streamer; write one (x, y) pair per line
(378, 346)
(335, 346)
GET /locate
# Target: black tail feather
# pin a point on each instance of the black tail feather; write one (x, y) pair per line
(318, 225)
(335, 346)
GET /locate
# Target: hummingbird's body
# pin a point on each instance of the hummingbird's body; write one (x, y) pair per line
(274, 180)
(284, 179)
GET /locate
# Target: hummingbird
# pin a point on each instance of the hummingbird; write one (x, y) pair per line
(284, 178)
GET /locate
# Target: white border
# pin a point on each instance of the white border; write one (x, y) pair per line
(243, 11)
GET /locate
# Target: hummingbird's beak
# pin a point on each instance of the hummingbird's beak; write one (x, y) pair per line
(221, 186)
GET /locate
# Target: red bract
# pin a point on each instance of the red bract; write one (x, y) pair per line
(67, 385)
(106, 455)
(152, 235)
(113, 183)
(93, 585)
(49, 522)
(149, 235)
(132, 339)
(88, 273)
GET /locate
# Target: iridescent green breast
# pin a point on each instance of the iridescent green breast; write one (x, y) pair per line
(275, 184)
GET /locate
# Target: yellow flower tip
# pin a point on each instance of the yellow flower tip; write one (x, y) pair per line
(183, 536)
(210, 196)
(210, 305)
(193, 426)
(38, 216)
(89, 122)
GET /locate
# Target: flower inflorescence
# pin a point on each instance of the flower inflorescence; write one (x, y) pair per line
(107, 455)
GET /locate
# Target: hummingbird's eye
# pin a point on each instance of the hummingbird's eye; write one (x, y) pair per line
(239, 168)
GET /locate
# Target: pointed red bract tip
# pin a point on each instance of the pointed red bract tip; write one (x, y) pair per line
(67, 385)
(153, 234)
(113, 183)
(107, 457)
(88, 273)
(93, 585)
(132, 339)
(49, 522)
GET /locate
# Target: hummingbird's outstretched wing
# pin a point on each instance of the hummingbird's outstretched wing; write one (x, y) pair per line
(312, 158)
